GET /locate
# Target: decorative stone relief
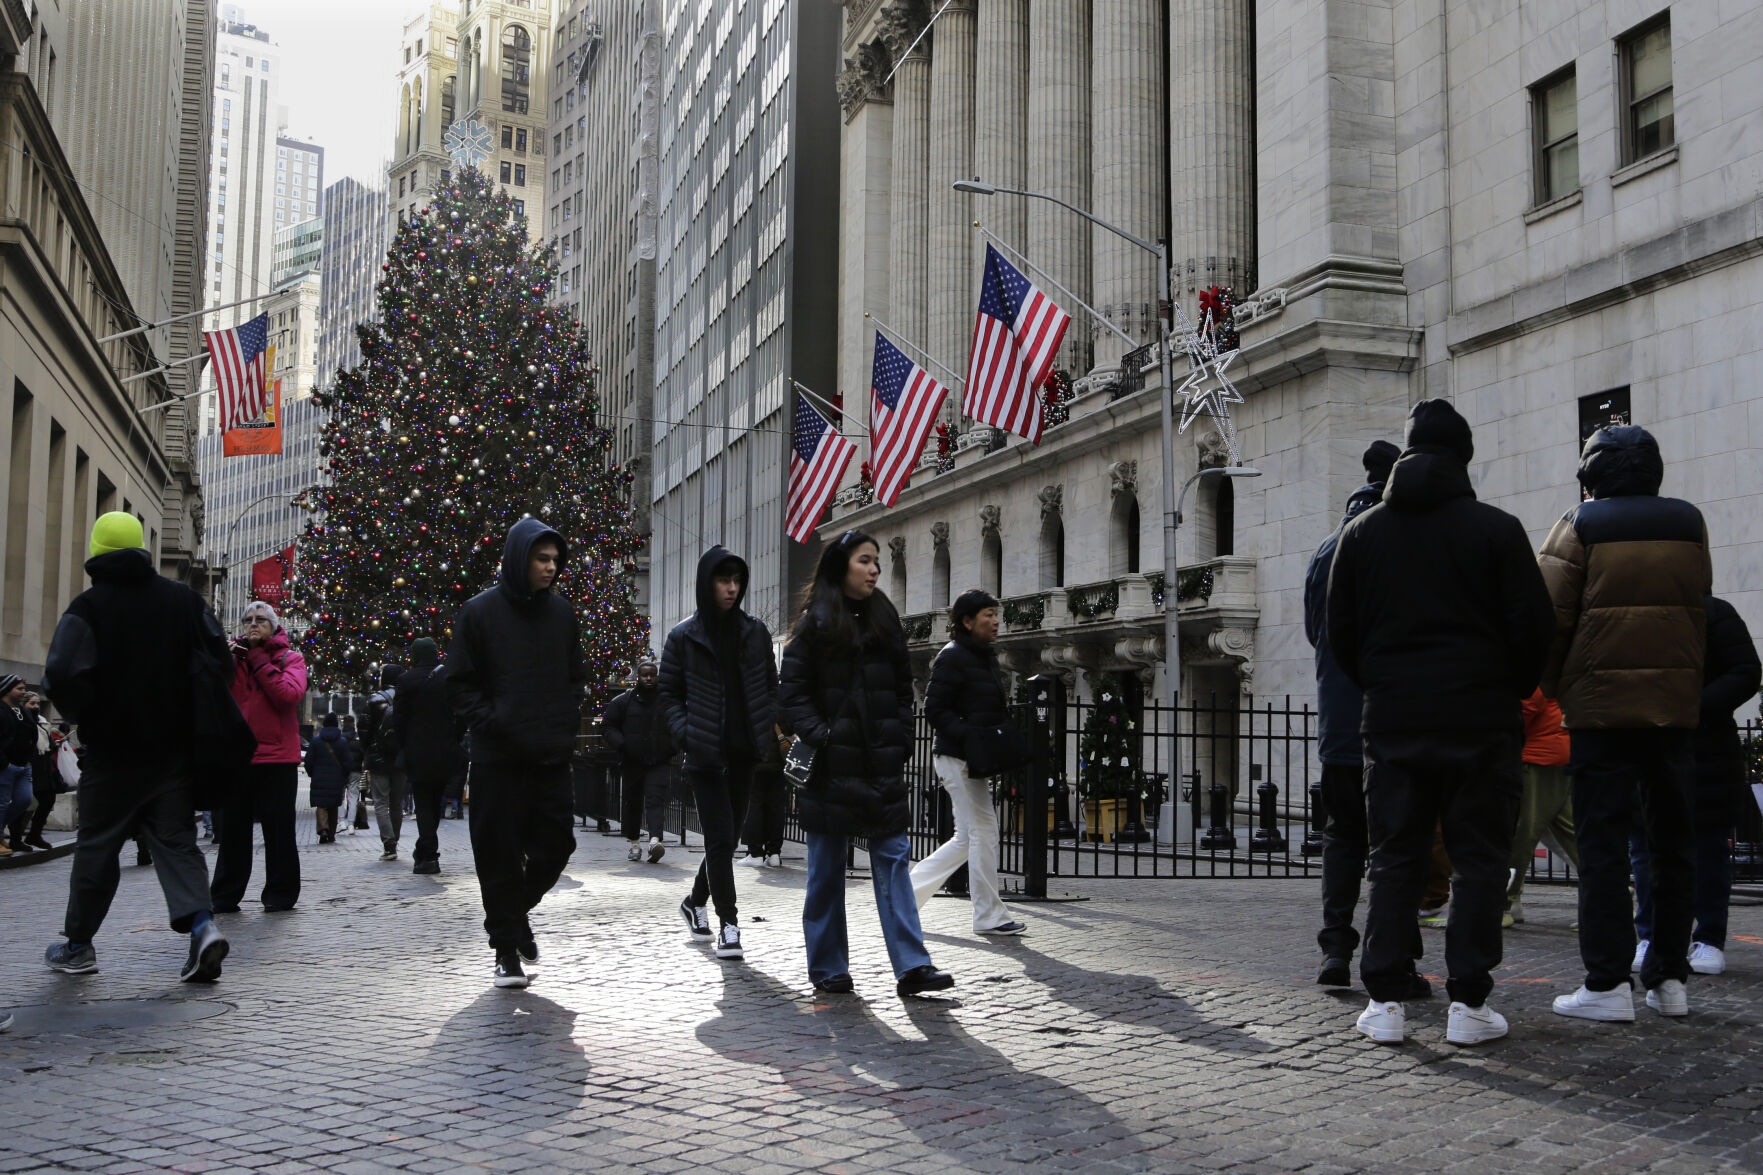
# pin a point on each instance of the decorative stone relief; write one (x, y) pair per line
(1052, 500)
(899, 24)
(865, 77)
(1213, 449)
(990, 518)
(1123, 478)
(897, 548)
(939, 535)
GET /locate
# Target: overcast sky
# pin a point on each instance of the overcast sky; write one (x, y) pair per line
(339, 76)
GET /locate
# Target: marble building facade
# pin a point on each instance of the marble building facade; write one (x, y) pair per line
(1546, 212)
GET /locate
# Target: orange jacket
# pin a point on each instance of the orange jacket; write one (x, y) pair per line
(1546, 742)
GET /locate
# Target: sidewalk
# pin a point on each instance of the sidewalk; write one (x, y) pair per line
(1164, 1026)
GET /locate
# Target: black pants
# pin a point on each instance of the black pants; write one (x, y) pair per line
(1343, 857)
(264, 796)
(521, 838)
(767, 804)
(154, 805)
(721, 796)
(1625, 780)
(1414, 780)
(646, 791)
(40, 819)
(430, 796)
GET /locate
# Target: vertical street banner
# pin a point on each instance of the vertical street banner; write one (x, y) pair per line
(261, 437)
(270, 578)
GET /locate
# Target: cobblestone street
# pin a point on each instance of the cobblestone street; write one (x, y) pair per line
(1160, 1026)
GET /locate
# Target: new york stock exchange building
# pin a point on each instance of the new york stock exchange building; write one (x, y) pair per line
(1492, 202)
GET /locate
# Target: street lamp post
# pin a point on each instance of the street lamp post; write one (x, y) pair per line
(1171, 507)
(226, 551)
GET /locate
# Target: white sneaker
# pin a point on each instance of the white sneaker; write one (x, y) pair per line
(1669, 999)
(1469, 1025)
(775, 860)
(750, 859)
(656, 849)
(635, 852)
(1640, 955)
(1585, 1004)
(1384, 1023)
(1707, 959)
(728, 943)
(1516, 910)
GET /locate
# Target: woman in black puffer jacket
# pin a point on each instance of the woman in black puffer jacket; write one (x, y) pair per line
(846, 690)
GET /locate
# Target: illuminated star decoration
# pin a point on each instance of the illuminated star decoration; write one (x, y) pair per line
(468, 143)
(1207, 387)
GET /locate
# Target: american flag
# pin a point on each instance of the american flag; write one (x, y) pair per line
(239, 369)
(903, 403)
(1015, 337)
(818, 459)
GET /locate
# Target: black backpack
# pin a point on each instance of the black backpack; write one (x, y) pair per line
(382, 752)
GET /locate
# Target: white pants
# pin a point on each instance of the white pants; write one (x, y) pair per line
(975, 844)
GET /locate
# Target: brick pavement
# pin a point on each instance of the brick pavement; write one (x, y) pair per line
(1162, 1026)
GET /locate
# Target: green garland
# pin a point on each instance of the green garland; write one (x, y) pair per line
(917, 628)
(1089, 603)
(1026, 612)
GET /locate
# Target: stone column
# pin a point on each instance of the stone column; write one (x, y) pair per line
(1127, 150)
(865, 198)
(909, 211)
(1059, 159)
(952, 279)
(1000, 142)
(1211, 146)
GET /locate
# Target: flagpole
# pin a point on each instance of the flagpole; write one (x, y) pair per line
(915, 41)
(814, 395)
(1132, 343)
(953, 378)
(141, 330)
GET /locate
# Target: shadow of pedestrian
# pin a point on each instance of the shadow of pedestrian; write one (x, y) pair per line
(956, 1094)
(501, 1053)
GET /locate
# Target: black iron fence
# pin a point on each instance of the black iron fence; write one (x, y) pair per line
(1245, 799)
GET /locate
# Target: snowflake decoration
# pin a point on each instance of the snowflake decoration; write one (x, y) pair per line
(1207, 389)
(468, 143)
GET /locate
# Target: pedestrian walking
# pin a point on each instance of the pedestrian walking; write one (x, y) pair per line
(966, 705)
(637, 732)
(384, 760)
(1437, 611)
(719, 687)
(268, 682)
(359, 788)
(429, 735)
(18, 745)
(768, 804)
(1629, 574)
(516, 676)
(846, 691)
(1730, 679)
(134, 636)
(1339, 706)
(46, 782)
(328, 768)
(1546, 809)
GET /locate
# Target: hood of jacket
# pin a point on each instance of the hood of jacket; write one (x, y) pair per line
(707, 581)
(129, 565)
(1362, 499)
(1426, 477)
(1621, 462)
(275, 642)
(523, 536)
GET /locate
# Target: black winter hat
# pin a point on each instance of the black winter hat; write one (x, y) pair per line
(1435, 422)
(1377, 461)
(330, 720)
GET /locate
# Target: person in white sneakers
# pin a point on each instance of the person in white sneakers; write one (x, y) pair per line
(637, 732)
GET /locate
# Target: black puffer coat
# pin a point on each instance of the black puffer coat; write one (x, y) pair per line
(966, 691)
(429, 735)
(328, 765)
(636, 728)
(691, 679)
(514, 670)
(859, 784)
(1731, 676)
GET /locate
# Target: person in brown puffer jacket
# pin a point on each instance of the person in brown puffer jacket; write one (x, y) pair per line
(1628, 572)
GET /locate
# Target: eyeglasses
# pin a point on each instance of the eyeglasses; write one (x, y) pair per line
(255, 618)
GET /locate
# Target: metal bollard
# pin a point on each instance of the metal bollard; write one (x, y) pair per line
(1268, 838)
(1063, 829)
(1312, 845)
(1219, 835)
(1134, 832)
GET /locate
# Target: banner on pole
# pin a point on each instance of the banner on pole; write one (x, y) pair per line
(270, 577)
(261, 437)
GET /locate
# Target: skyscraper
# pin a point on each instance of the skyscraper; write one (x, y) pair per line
(247, 121)
(427, 92)
(349, 268)
(504, 61)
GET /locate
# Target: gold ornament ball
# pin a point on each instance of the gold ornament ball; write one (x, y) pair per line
(373, 624)
(471, 279)
(399, 582)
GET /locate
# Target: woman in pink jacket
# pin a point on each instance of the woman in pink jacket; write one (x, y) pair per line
(269, 679)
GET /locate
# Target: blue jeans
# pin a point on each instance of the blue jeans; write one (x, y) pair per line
(1709, 894)
(823, 911)
(15, 794)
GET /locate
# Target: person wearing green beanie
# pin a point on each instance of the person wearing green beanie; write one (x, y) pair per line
(116, 531)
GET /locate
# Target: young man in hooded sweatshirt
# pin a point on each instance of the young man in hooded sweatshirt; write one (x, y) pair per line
(129, 638)
(719, 690)
(515, 675)
(1436, 610)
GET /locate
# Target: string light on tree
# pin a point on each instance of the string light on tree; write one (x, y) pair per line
(473, 406)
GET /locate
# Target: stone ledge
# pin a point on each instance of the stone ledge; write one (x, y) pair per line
(1573, 199)
(1640, 167)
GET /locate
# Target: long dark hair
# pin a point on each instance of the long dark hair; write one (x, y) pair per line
(823, 600)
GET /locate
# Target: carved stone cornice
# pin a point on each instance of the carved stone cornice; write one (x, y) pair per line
(865, 77)
(899, 23)
(1052, 500)
(939, 535)
(990, 517)
(1123, 478)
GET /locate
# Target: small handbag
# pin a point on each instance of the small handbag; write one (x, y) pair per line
(799, 763)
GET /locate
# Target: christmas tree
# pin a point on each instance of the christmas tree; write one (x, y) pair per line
(473, 406)
(1108, 750)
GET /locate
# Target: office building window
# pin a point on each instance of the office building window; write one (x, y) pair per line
(517, 57)
(520, 140)
(507, 171)
(520, 175)
(1648, 124)
(507, 138)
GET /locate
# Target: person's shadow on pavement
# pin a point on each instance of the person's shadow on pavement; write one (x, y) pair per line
(500, 1052)
(941, 1088)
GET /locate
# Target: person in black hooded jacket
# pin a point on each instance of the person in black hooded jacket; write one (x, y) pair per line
(428, 740)
(719, 690)
(1437, 611)
(846, 690)
(516, 677)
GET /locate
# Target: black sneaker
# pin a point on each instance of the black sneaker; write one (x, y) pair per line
(1006, 929)
(529, 956)
(508, 969)
(728, 943)
(1335, 972)
(656, 850)
(836, 984)
(922, 979)
(697, 921)
(426, 867)
(207, 951)
(71, 960)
